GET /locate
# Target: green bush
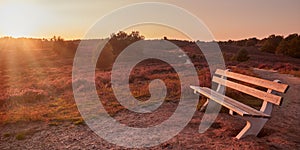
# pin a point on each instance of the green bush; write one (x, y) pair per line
(242, 55)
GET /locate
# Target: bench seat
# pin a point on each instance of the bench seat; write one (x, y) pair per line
(231, 104)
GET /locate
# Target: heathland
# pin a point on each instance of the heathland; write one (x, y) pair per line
(38, 110)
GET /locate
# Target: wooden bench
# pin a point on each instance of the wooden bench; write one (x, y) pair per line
(256, 119)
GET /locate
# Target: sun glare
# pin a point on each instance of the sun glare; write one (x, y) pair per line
(18, 19)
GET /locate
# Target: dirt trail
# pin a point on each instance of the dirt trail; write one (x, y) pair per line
(281, 131)
(286, 118)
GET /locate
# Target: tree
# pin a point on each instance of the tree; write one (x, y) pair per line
(282, 48)
(271, 43)
(106, 58)
(62, 47)
(294, 47)
(291, 37)
(116, 44)
(241, 42)
(251, 42)
(290, 46)
(121, 40)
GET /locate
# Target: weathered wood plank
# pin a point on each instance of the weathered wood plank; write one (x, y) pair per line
(253, 80)
(238, 107)
(249, 90)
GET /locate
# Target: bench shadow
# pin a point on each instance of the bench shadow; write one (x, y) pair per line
(216, 125)
(265, 132)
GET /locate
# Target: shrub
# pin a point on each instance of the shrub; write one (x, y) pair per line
(242, 55)
(20, 136)
(6, 135)
(63, 48)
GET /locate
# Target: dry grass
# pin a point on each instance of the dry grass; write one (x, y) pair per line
(294, 72)
(36, 85)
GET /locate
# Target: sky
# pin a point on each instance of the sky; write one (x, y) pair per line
(230, 19)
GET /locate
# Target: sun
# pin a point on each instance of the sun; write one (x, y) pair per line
(18, 19)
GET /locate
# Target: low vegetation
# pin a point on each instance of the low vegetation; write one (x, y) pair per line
(241, 56)
(36, 81)
(20, 136)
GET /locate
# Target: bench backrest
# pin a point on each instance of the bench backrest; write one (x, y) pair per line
(264, 95)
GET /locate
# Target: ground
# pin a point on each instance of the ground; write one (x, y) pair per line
(280, 132)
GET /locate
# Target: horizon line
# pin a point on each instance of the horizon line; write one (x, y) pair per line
(161, 38)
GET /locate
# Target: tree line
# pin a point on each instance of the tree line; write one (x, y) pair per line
(276, 44)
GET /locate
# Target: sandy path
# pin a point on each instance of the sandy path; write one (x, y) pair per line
(281, 131)
(286, 118)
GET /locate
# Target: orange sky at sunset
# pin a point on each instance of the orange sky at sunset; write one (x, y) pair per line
(230, 19)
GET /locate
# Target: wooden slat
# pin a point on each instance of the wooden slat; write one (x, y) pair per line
(230, 103)
(249, 90)
(253, 80)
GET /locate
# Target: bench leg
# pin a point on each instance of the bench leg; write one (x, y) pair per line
(203, 107)
(253, 126)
